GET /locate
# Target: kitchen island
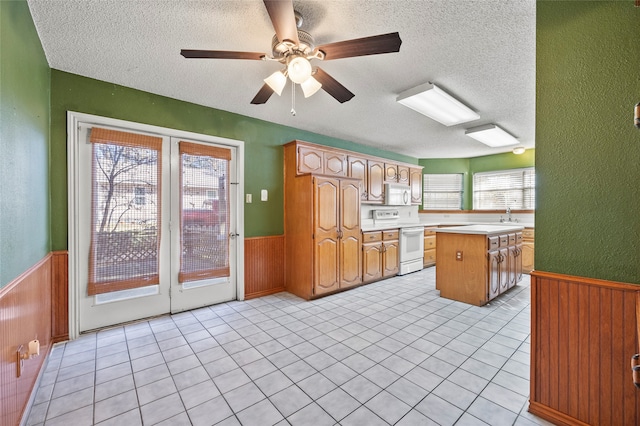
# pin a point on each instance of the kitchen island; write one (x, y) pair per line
(477, 263)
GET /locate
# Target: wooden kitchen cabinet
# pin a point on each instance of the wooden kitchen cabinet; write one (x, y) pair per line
(319, 161)
(380, 255)
(357, 168)
(528, 236)
(322, 231)
(375, 181)
(429, 258)
(415, 181)
(390, 173)
(475, 268)
(403, 174)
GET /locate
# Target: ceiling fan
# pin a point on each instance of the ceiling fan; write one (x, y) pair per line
(294, 48)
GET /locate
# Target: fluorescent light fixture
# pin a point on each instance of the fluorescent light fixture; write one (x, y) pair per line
(310, 86)
(518, 150)
(492, 135)
(276, 81)
(428, 99)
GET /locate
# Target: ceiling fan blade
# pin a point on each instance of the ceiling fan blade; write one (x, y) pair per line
(220, 54)
(263, 95)
(374, 45)
(332, 87)
(283, 19)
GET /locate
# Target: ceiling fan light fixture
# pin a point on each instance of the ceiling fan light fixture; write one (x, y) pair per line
(492, 135)
(310, 86)
(299, 69)
(428, 99)
(276, 81)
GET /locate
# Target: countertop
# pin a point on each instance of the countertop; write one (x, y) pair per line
(488, 229)
(504, 226)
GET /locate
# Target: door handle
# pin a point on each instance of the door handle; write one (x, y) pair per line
(233, 235)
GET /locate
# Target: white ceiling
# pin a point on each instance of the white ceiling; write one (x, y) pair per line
(482, 52)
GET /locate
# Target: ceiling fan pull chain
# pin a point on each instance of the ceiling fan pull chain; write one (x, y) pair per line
(293, 99)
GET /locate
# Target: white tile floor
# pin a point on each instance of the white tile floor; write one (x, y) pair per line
(391, 352)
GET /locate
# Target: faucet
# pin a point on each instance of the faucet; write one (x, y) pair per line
(509, 214)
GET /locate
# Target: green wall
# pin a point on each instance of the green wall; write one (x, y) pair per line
(469, 166)
(263, 143)
(587, 149)
(24, 143)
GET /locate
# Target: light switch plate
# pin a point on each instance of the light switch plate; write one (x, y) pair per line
(264, 195)
(248, 198)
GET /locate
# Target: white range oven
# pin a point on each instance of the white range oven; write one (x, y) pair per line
(411, 240)
(411, 249)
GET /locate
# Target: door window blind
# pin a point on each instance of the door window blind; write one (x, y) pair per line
(204, 212)
(442, 191)
(499, 190)
(125, 210)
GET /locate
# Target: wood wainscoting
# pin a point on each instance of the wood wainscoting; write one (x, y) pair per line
(263, 266)
(25, 312)
(583, 334)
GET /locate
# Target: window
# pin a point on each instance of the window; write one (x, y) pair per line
(500, 190)
(442, 191)
(140, 195)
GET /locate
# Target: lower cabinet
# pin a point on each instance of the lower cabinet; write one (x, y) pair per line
(380, 254)
(475, 268)
(429, 247)
(527, 250)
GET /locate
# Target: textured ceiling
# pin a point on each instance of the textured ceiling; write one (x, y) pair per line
(482, 52)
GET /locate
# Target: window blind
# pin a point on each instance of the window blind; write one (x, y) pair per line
(125, 210)
(204, 212)
(442, 191)
(499, 190)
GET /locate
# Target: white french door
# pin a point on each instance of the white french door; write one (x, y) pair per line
(153, 222)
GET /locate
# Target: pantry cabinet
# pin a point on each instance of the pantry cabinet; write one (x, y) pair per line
(322, 231)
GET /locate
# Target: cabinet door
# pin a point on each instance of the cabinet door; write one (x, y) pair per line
(375, 190)
(527, 257)
(335, 164)
(494, 274)
(518, 264)
(504, 269)
(326, 247)
(513, 260)
(391, 259)
(349, 234)
(403, 175)
(415, 180)
(357, 168)
(371, 261)
(310, 160)
(390, 173)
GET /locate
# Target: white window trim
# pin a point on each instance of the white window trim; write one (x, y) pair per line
(497, 172)
(425, 191)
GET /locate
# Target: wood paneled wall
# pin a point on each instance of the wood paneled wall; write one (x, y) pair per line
(583, 335)
(263, 266)
(60, 296)
(25, 312)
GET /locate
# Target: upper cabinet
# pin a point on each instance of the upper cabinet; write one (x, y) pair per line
(390, 173)
(319, 161)
(415, 180)
(373, 172)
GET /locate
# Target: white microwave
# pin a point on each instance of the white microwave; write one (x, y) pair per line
(397, 195)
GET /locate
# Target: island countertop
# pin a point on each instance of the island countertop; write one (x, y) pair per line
(480, 229)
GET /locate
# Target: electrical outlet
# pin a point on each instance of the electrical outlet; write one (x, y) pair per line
(459, 255)
(264, 195)
(249, 200)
